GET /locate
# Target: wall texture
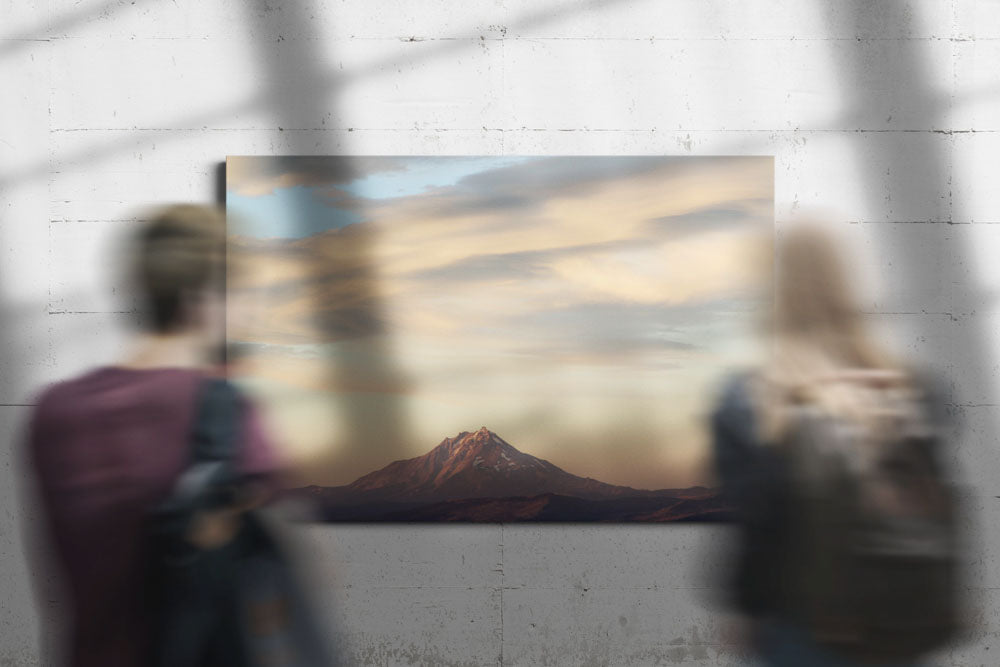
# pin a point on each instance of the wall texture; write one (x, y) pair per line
(885, 113)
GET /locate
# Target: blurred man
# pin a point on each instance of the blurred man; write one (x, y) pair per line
(108, 446)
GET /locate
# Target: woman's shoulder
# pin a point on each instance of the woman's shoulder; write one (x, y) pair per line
(735, 395)
(734, 420)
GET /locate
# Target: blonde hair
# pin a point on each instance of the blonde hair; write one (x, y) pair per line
(822, 351)
(178, 254)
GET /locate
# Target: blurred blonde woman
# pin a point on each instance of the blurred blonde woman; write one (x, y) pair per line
(831, 409)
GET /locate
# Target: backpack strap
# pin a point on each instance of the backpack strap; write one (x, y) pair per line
(210, 480)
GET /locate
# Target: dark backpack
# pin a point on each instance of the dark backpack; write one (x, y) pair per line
(871, 568)
(239, 605)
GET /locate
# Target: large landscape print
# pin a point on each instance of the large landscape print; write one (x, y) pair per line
(497, 339)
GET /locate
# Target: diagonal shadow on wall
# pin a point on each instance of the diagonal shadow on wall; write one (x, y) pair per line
(915, 164)
(279, 21)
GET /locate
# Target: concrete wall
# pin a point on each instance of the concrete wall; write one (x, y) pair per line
(885, 112)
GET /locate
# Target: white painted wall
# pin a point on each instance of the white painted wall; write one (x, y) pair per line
(885, 112)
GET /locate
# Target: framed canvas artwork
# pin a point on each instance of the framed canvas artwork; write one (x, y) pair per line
(494, 339)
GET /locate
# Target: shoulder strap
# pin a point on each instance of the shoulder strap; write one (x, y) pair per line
(215, 434)
(214, 441)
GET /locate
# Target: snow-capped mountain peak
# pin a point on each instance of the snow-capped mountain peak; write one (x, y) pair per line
(476, 464)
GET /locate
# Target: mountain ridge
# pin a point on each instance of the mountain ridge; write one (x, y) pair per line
(478, 465)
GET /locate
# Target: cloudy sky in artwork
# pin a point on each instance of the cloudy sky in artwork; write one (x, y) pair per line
(584, 308)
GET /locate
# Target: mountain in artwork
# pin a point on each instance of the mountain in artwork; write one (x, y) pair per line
(480, 477)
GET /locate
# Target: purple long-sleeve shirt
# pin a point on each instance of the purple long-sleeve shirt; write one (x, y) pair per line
(107, 447)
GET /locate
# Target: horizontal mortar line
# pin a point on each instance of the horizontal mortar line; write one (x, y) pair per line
(414, 587)
(607, 588)
(508, 587)
(92, 312)
(205, 128)
(57, 221)
(907, 312)
(913, 222)
(525, 587)
(412, 130)
(651, 38)
(17, 405)
(973, 405)
(493, 37)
